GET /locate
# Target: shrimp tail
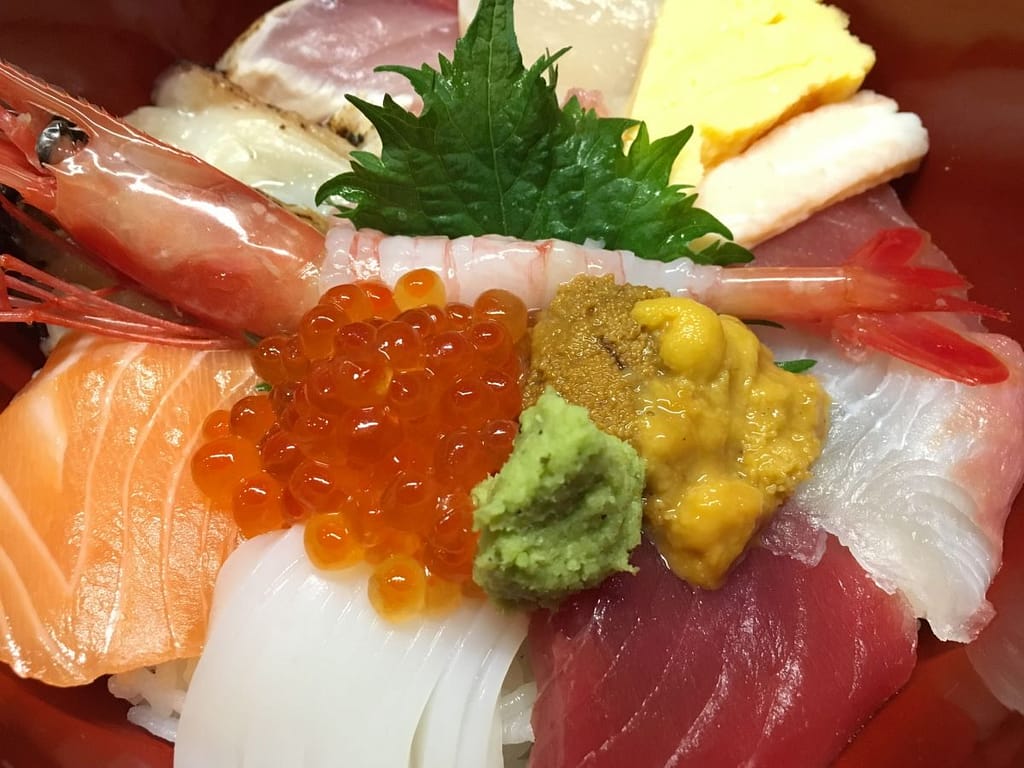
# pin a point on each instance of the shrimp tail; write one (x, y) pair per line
(911, 335)
(921, 341)
(30, 295)
(887, 258)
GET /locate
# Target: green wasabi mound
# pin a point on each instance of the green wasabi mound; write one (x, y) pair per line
(563, 513)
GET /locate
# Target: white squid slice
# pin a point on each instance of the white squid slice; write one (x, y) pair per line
(299, 670)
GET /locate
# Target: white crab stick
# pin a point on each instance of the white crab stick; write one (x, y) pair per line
(299, 670)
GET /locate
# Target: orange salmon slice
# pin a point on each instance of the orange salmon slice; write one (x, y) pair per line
(108, 551)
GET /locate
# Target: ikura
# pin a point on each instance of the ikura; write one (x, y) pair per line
(387, 408)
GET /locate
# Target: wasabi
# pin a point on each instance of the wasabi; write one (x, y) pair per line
(563, 513)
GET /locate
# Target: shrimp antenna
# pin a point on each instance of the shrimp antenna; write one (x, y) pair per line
(30, 295)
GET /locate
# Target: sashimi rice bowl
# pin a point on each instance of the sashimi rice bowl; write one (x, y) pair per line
(516, 384)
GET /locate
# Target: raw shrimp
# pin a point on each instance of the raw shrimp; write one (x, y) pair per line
(180, 228)
(874, 300)
(39, 297)
(210, 245)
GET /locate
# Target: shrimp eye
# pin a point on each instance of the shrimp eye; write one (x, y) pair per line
(59, 140)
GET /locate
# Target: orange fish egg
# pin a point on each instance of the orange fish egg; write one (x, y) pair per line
(504, 307)
(398, 587)
(381, 299)
(217, 424)
(330, 543)
(386, 410)
(419, 287)
(251, 417)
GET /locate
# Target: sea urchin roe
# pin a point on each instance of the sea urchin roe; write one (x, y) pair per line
(587, 346)
(727, 435)
(384, 413)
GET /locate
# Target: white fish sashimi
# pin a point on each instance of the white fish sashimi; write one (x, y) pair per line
(202, 113)
(606, 38)
(299, 670)
(998, 653)
(307, 55)
(905, 481)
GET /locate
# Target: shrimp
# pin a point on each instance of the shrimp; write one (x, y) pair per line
(178, 227)
(877, 300)
(213, 247)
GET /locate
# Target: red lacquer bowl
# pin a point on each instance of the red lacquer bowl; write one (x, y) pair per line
(961, 70)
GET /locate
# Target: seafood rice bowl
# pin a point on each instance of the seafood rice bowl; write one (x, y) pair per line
(406, 386)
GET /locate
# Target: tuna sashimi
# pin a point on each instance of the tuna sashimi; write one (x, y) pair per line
(108, 552)
(779, 667)
(305, 55)
(830, 236)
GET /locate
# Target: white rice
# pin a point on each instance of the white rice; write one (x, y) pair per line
(157, 693)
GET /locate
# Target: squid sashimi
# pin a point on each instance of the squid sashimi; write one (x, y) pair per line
(108, 552)
(779, 667)
(300, 669)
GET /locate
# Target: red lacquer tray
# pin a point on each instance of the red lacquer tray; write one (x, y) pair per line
(958, 65)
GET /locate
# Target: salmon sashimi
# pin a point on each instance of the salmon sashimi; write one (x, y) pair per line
(108, 552)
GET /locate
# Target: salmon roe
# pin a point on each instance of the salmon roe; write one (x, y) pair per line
(386, 409)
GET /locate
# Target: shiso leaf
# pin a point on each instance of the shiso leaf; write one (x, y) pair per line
(493, 153)
(797, 366)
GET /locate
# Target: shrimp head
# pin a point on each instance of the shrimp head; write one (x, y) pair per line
(179, 228)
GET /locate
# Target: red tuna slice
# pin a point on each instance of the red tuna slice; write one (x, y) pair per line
(834, 234)
(778, 668)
